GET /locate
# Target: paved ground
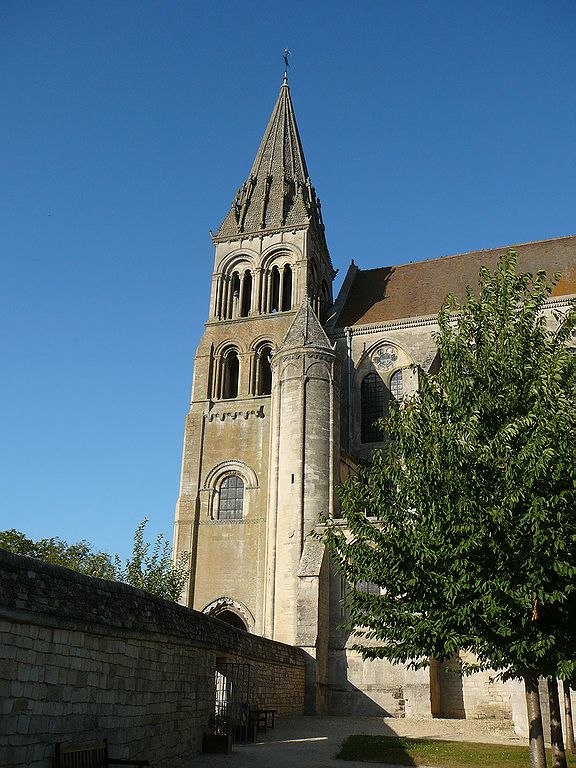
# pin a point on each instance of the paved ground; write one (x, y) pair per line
(312, 742)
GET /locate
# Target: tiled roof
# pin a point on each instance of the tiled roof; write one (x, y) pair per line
(278, 193)
(418, 289)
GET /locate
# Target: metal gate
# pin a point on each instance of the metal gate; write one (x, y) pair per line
(232, 704)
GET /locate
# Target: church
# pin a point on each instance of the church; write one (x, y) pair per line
(288, 383)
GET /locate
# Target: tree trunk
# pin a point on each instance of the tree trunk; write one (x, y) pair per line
(558, 754)
(569, 723)
(537, 751)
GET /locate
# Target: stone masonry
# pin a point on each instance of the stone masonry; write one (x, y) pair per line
(83, 658)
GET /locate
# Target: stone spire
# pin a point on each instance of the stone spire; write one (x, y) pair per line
(278, 193)
(305, 330)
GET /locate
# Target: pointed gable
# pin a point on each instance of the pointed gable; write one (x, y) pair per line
(306, 330)
(278, 193)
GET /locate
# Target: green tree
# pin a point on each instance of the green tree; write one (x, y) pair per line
(466, 518)
(79, 557)
(156, 572)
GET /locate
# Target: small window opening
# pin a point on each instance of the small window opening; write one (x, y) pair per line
(287, 289)
(246, 295)
(264, 382)
(230, 375)
(233, 294)
(275, 290)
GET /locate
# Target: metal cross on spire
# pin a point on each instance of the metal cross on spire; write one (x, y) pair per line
(286, 65)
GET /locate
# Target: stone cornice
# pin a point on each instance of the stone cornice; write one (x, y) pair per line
(250, 318)
(253, 521)
(416, 322)
(260, 233)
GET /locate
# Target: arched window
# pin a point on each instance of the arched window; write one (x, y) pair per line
(231, 498)
(230, 374)
(324, 301)
(313, 275)
(246, 294)
(263, 372)
(234, 294)
(287, 289)
(397, 386)
(372, 399)
(274, 289)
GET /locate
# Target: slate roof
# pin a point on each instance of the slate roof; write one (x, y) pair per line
(418, 289)
(278, 193)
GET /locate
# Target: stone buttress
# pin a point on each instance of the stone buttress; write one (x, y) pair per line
(304, 465)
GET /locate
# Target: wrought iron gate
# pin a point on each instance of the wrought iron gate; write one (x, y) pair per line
(232, 703)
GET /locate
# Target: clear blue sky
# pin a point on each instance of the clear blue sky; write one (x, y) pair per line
(429, 128)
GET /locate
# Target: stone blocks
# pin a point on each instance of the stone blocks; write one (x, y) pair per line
(82, 659)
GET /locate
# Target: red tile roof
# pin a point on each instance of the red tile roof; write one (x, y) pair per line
(418, 289)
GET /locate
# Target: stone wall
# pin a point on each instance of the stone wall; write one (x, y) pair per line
(82, 659)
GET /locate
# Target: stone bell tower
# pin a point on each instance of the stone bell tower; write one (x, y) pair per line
(258, 466)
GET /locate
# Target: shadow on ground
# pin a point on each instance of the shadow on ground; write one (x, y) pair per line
(301, 742)
(313, 742)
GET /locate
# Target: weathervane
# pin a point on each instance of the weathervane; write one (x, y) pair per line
(286, 64)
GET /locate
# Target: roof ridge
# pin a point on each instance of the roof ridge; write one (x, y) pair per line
(418, 289)
(469, 253)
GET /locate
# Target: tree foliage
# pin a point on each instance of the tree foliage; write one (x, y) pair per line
(79, 557)
(466, 519)
(154, 572)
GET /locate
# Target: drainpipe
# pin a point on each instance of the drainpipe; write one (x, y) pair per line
(348, 332)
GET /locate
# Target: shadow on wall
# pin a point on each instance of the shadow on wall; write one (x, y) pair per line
(446, 694)
(447, 689)
(387, 690)
(354, 702)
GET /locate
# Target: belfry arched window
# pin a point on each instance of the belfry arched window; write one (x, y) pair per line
(286, 289)
(230, 374)
(234, 295)
(263, 383)
(234, 292)
(246, 294)
(274, 289)
(231, 498)
(372, 404)
(276, 285)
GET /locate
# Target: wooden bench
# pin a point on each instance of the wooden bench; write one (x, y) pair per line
(262, 718)
(91, 755)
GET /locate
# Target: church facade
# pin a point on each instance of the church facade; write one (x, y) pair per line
(288, 382)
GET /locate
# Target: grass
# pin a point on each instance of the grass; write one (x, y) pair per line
(398, 750)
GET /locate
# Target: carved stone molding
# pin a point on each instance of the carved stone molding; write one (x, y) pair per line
(254, 521)
(233, 415)
(320, 356)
